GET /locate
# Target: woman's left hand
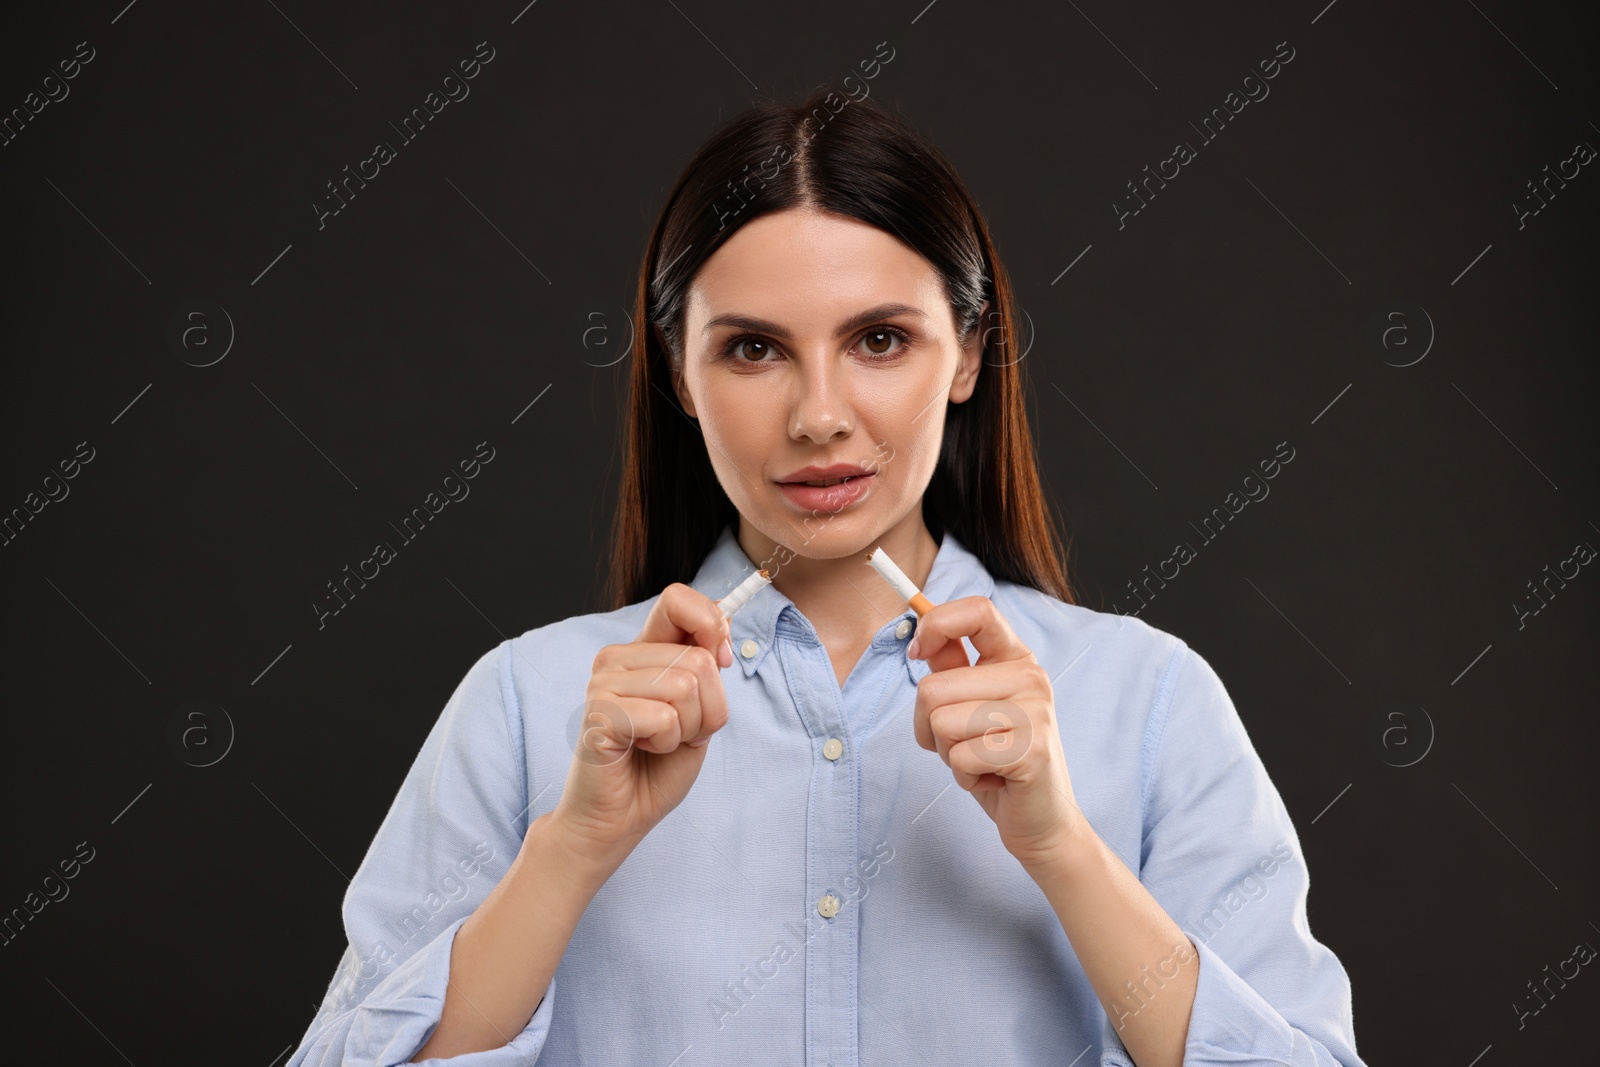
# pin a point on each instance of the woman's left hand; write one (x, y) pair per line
(994, 724)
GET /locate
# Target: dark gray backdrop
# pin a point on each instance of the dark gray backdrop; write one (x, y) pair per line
(1344, 269)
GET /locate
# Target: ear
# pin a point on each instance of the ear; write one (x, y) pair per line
(683, 397)
(966, 379)
(678, 385)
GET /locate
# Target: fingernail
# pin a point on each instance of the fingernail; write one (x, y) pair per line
(913, 648)
(725, 655)
(700, 743)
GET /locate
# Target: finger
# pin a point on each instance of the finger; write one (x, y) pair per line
(658, 726)
(973, 772)
(613, 726)
(680, 687)
(978, 620)
(683, 615)
(921, 709)
(1016, 680)
(994, 735)
(657, 659)
(1007, 680)
(936, 723)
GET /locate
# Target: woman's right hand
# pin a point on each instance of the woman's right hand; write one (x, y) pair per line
(646, 704)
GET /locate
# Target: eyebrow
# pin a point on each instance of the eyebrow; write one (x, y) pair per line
(849, 326)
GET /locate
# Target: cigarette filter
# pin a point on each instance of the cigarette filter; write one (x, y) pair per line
(896, 577)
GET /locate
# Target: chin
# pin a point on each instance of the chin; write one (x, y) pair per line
(851, 532)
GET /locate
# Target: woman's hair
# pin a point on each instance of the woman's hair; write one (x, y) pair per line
(857, 159)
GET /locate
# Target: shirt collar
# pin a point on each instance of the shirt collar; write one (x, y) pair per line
(956, 573)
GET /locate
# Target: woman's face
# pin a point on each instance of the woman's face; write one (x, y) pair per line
(814, 340)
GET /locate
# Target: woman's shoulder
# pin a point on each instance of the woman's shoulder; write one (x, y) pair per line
(1059, 626)
(564, 649)
(1118, 669)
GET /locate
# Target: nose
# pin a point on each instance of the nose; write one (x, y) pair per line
(822, 410)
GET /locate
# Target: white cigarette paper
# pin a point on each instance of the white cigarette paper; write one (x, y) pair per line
(896, 577)
(741, 596)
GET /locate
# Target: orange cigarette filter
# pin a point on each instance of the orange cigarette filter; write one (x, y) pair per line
(896, 577)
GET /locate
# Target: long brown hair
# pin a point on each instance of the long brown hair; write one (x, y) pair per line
(852, 158)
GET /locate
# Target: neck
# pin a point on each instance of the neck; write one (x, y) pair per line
(829, 579)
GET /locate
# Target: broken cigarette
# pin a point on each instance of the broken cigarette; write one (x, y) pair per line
(747, 589)
(896, 577)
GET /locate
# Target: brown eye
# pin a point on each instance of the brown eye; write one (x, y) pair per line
(880, 342)
(736, 344)
(877, 337)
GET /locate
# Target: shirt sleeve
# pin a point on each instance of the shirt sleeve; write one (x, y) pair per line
(1221, 856)
(450, 834)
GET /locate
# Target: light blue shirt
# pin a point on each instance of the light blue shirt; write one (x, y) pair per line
(827, 895)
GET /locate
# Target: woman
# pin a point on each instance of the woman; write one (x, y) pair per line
(658, 835)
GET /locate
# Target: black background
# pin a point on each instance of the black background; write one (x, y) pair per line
(1362, 615)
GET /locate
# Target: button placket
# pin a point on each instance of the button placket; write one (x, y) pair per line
(832, 956)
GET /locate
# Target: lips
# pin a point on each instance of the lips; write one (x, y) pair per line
(835, 473)
(825, 483)
(831, 498)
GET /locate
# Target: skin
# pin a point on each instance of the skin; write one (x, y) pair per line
(802, 393)
(822, 399)
(802, 390)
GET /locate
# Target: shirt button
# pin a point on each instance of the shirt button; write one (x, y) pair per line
(828, 906)
(904, 629)
(833, 748)
(749, 649)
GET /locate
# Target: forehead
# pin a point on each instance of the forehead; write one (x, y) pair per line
(809, 269)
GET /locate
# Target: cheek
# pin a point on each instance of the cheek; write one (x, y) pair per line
(913, 451)
(737, 421)
(744, 430)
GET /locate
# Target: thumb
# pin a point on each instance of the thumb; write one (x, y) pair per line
(685, 616)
